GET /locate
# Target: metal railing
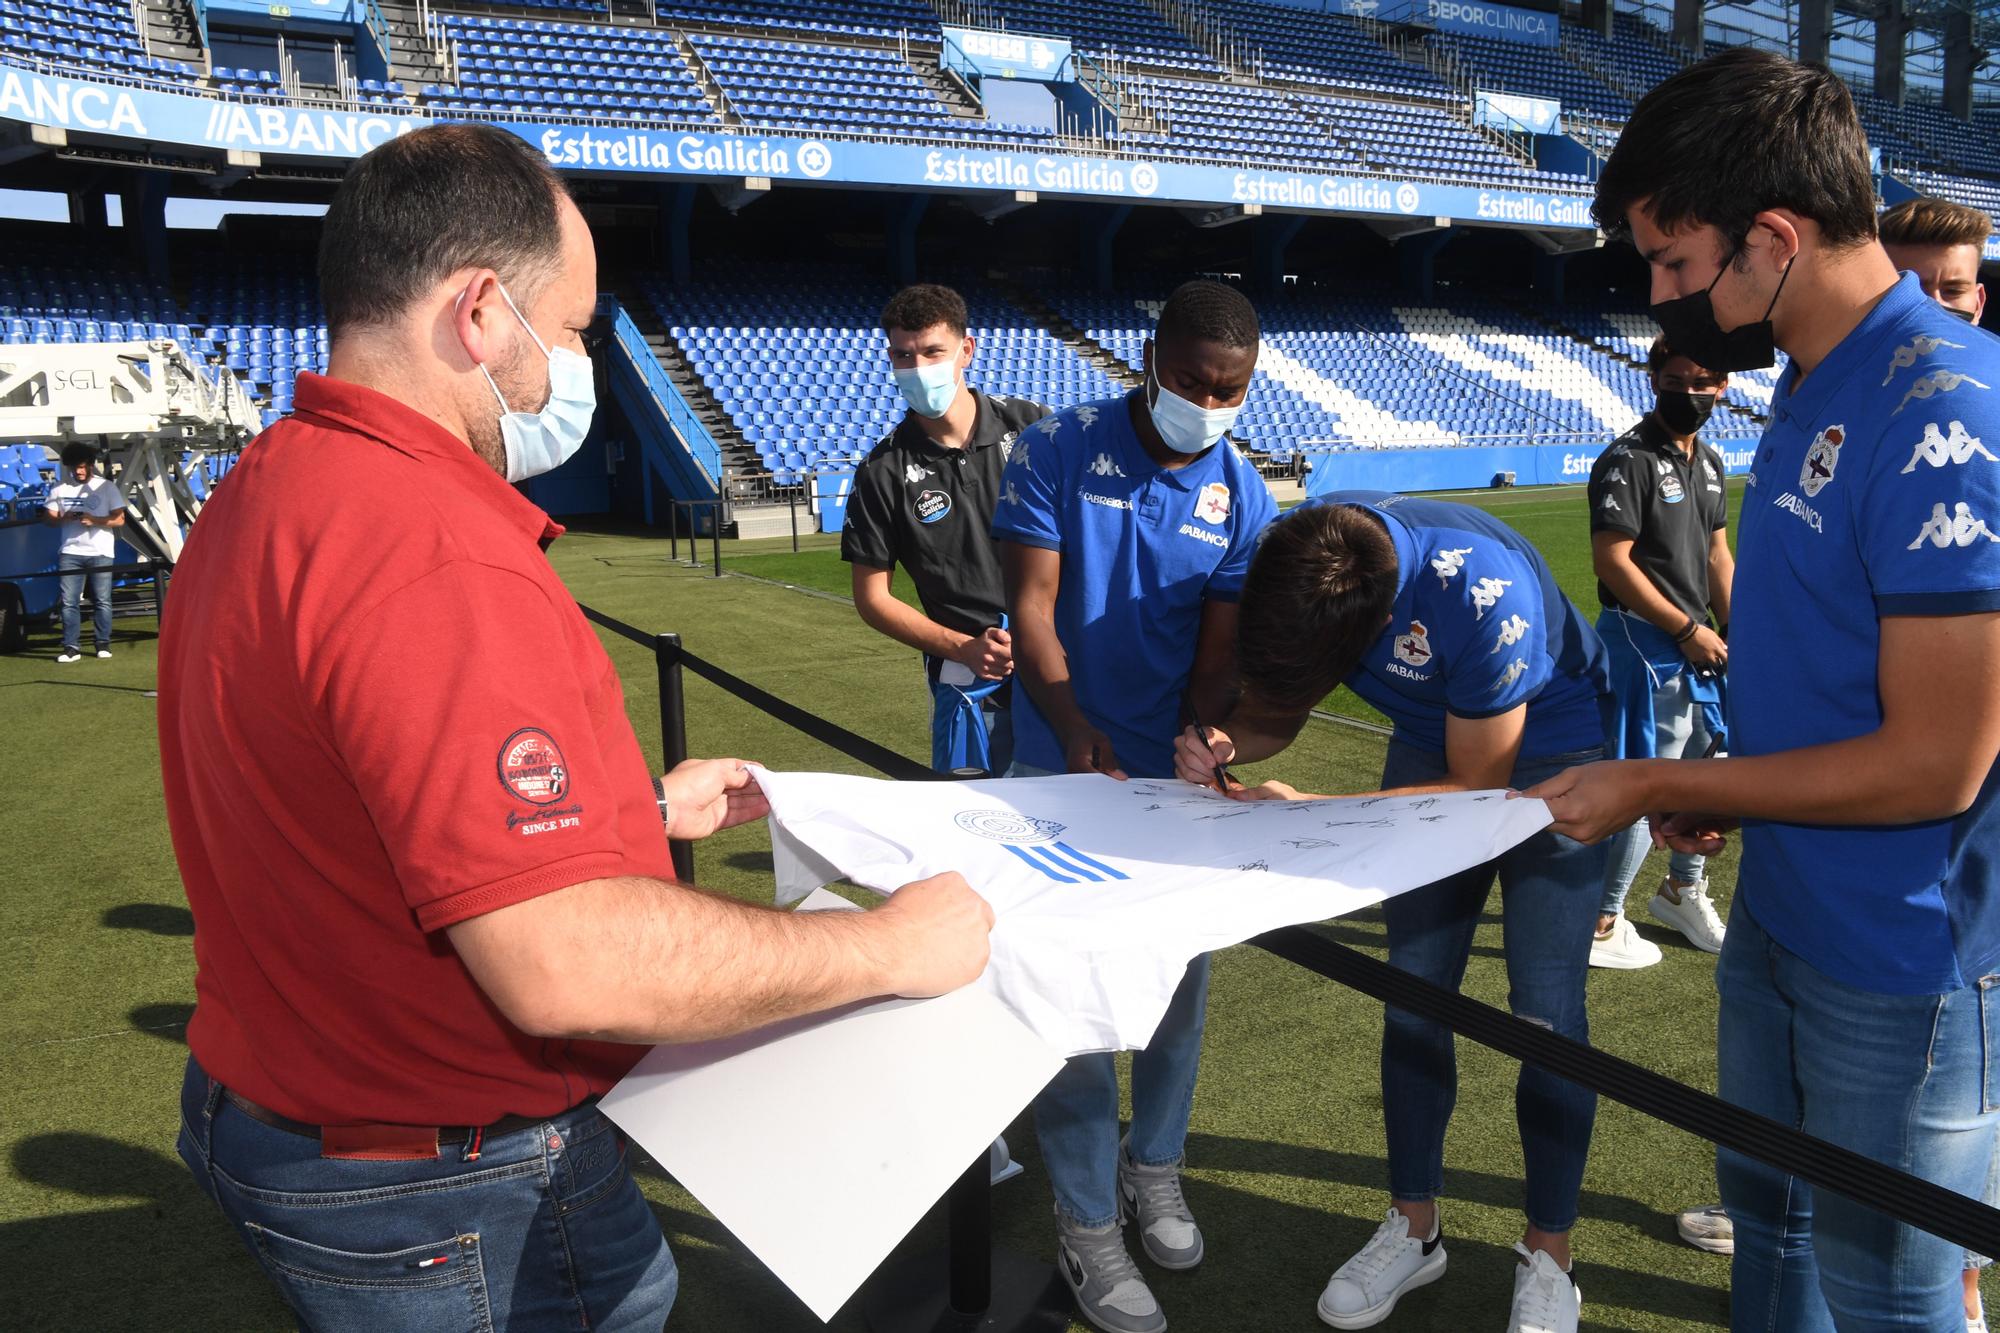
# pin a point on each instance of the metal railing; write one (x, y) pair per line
(702, 449)
(378, 28)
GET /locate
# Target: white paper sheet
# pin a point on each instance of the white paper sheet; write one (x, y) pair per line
(1103, 890)
(932, 1081)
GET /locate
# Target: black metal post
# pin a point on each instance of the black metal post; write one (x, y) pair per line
(715, 535)
(673, 731)
(792, 503)
(673, 530)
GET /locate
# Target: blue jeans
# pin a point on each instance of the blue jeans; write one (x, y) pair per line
(1076, 1115)
(73, 570)
(1678, 733)
(1549, 887)
(544, 1229)
(1905, 1079)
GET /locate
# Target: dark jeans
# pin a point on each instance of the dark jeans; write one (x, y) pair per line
(1549, 888)
(545, 1229)
(73, 570)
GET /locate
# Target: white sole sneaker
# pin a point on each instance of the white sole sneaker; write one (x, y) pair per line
(1624, 949)
(1701, 929)
(1431, 1271)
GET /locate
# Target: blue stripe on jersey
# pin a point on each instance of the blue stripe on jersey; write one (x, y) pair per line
(1036, 862)
(1074, 855)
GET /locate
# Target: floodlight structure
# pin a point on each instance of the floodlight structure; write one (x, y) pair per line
(143, 405)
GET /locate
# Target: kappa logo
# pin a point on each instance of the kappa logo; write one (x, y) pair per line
(1961, 527)
(1049, 426)
(1940, 450)
(914, 474)
(1212, 505)
(1486, 592)
(1010, 495)
(532, 768)
(1414, 647)
(1102, 466)
(1907, 354)
(1938, 381)
(1611, 505)
(1448, 563)
(1007, 445)
(1512, 631)
(1087, 415)
(1822, 457)
(1515, 670)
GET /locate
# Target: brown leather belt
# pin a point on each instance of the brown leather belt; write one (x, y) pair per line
(383, 1143)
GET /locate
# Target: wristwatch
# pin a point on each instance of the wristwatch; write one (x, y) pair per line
(660, 799)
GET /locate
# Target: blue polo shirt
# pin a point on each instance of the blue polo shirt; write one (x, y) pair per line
(1876, 492)
(1479, 627)
(1142, 548)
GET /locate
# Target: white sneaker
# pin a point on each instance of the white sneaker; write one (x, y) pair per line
(1364, 1290)
(1624, 948)
(69, 655)
(1976, 1325)
(1709, 1228)
(104, 652)
(1545, 1300)
(1693, 916)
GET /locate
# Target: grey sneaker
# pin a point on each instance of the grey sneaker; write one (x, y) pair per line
(1151, 1195)
(1707, 1228)
(1109, 1291)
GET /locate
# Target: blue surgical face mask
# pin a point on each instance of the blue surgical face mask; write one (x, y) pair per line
(929, 389)
(539, 442)
(1187, 429)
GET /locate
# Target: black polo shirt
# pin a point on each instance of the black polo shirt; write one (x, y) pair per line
(930, 509)
(1670, 504)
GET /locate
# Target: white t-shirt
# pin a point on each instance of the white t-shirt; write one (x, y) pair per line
(96, 497)
(1103, 890)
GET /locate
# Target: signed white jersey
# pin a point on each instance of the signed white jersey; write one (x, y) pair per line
(1103, 890)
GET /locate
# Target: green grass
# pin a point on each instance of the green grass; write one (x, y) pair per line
(105, 1230)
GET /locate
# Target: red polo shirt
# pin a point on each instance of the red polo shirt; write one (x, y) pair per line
(381, 713)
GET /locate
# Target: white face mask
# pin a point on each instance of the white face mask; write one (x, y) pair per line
(1187, 429)
(539, 442)
(929, 389)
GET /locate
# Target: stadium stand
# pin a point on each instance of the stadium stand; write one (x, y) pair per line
(850, 18)
(829, 89)
(260, 316)
(548, 68)
(1426, 143)
(1128, 29)
(1535, 71)
(1981, 194)
(87, 34)
(1293, 45)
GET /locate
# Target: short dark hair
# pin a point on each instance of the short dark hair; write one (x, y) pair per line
(1925, 221)
(918, 307)
(1208, 311)
(1319, 588)
(1734, 135)
(432, 202)
(76, 451)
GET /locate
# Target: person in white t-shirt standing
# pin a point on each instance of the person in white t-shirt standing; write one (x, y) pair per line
(87, 508)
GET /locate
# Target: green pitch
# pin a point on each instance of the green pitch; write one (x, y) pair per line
(105, 1230)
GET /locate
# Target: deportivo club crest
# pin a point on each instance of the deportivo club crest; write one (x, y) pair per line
(1414, 648)
(1008, 826)
(1822, 457)
(1213, 506)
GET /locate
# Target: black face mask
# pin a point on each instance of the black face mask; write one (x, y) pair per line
(1965, 315)
(1681, 412)
(1689, 323)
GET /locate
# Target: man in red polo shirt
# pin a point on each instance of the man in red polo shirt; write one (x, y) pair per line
(434, 913)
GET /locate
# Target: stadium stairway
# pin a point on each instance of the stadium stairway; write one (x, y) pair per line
(171, 32)
(704, 79)
(737, 455)
(677, 449)
(416, 57)
(1067, 333)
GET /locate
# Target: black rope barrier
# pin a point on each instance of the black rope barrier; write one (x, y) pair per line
(1929, 1207)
